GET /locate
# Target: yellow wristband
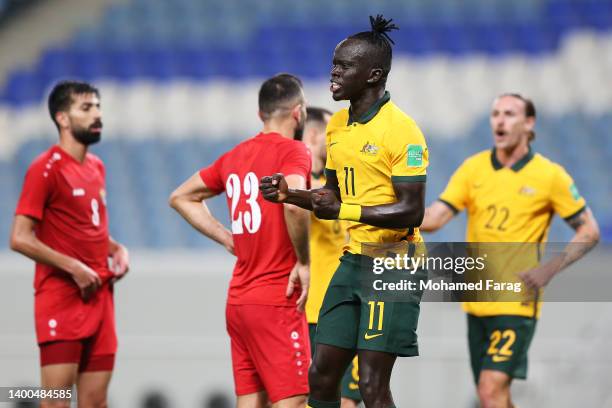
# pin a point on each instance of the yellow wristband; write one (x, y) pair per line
(350, 212)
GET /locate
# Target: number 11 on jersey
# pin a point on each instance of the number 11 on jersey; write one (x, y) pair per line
(349, 173)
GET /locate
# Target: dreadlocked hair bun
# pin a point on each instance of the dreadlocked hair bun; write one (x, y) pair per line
(382, 26)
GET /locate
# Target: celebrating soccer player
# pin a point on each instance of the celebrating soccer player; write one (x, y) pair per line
(510, 194)
(375, 178)
(327, 237)
(61, 223)
(268, 291)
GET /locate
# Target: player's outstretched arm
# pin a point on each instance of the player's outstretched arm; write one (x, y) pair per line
(585, 238)
(436, 216)
(274, 188)
(188, 201)
(24, 240)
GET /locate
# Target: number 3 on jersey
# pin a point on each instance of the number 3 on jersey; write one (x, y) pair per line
(250, 219)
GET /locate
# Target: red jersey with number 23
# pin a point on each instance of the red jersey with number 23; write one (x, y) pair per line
(265, 255)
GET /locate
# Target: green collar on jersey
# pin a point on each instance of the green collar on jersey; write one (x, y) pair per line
(516, 166)
(369, 115)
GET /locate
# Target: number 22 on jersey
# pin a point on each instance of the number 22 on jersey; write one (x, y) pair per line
(236, 190)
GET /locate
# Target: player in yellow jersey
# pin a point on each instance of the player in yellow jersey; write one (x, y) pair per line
(375, 178)
(510, 194)
(327, 237)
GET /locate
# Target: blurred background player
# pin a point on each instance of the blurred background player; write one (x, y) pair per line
(511, 194)
(375, 176)
(61, 223)
(327, 237)
(268, 291)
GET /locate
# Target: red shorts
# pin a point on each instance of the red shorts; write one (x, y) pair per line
(270, 350)
(91, 343)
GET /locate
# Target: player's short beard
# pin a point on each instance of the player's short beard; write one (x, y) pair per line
(298, 133)
(86, 136)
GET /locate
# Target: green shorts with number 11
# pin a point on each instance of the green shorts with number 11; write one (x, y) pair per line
(352, 319)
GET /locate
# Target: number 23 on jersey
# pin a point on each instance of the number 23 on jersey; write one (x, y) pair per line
(246, 189)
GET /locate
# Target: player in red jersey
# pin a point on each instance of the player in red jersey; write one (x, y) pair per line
(269, 334)
(61, 223)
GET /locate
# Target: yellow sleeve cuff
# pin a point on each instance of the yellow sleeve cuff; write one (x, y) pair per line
(350, 212)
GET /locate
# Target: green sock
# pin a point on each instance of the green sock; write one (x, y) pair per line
(313, 403)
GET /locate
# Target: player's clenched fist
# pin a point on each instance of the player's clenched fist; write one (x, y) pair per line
(274, 188)
(325, 204)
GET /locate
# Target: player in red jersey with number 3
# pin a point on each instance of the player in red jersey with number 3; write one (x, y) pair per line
(61, 223)
(269, 334)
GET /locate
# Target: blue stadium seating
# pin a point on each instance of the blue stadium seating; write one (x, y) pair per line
(131, 34)
(161, 41)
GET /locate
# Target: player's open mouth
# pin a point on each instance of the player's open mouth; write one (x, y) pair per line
(334, 86)
(500, 133)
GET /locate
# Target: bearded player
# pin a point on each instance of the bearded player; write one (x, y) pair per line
(265, 306)
(61, 223)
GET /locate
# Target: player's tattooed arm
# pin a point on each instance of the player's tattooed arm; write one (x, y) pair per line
(585, 238)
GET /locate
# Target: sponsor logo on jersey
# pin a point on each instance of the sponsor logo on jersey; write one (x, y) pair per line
(78, 192)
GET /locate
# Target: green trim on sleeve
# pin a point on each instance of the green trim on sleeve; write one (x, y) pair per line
(577, 213)
(454, 209)
(409, 179)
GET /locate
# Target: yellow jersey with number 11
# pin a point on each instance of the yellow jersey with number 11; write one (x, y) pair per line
(369, 154)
